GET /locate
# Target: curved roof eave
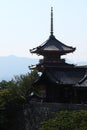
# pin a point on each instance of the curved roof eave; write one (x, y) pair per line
(52, 44)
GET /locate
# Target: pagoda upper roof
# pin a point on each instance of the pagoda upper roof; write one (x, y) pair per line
(52, 45)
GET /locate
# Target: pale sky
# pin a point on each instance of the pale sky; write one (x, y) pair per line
(25, 24)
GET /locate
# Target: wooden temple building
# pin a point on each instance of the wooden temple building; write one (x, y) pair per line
(60, 81)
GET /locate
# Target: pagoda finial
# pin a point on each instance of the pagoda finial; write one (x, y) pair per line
(51, 21)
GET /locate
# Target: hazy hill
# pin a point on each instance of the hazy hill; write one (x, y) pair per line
(12, 65)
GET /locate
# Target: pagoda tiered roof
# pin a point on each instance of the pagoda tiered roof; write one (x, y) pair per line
(52, 45)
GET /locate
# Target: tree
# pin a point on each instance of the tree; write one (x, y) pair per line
(25, 83)
(14, 95)
(66, 120)
(11, 101)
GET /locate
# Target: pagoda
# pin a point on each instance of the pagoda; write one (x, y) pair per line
(60, 81)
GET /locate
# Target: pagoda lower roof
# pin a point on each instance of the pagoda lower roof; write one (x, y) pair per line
(63, 77)
(52, 45)
(83, 81)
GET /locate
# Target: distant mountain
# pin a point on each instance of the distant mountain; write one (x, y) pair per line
(12, 65)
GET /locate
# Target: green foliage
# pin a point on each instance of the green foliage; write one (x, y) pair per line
(13, 96)
(4, 84)
(24, 82)
(10, 103)
(66, 120)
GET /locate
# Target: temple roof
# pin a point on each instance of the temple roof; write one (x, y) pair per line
(69, 77)
(83, 81)
(52, 45)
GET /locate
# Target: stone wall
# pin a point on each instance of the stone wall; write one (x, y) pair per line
(35, 112)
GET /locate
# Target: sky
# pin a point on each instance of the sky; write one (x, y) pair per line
(25, 24)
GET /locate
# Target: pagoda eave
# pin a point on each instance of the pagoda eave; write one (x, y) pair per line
(42, 67)
(45, 52)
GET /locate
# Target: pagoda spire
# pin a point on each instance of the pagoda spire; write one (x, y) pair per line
(51, 21)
